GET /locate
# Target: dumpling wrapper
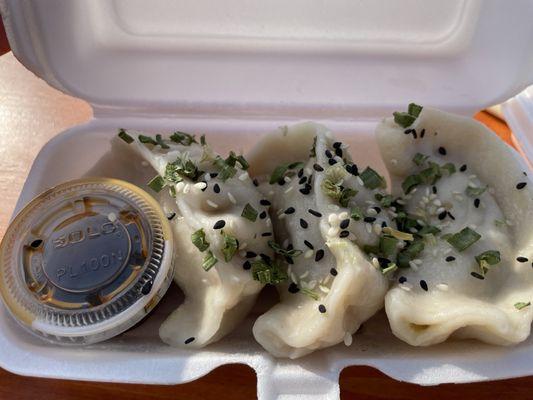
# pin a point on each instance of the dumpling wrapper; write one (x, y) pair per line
(296, 327)
(457, 303)
(216, 301)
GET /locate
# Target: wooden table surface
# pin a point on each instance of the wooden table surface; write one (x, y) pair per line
(31, 113)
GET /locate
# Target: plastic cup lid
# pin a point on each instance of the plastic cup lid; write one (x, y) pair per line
(86, 260)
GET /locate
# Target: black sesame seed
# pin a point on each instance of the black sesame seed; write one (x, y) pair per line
(322, 308)
(521, 185)
(190, 340)
(337, 145)
(383, 224)
(369, 219)
(522, 259)
(319, 255)
(309, 244)
(315, 213)
(305, 190)
(442, 151)
(477, 276)
(309, 181)
(434, 189)
(408, 131)
(383, 262)
(293, 288)
(281, 181)
(36, 243)
(402, 279)
(213, 174)
(219, 224)
(264, 257)
(414, 133)
(450, 258)
(462, 168)
(147, 287)
(344, 234)
(303, 223)
(171, 216)
(266, 234)
(264, 202)
(344, 223)
(263, 215)
(424, 285)
(333, 272)
(247, 265)
(302, 180)
(338, 152)
(255, 182)
(451, 216)
(355, 170)
(300, 172)
(250, 254)
(476, 203)
(328, 154)
(332, 161)
(378, 210)
(422, 133)
(216, 188)
(318, 168)
(290, 210)
(290, 246)
(443, 215)
(289, 260)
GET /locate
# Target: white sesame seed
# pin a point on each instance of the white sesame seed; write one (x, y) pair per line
(432, 196)
(448, 250)
(375, 262)
(186, 188)
(420, 222)
(333, 218)
(377, 229)
(212, 204)
(112, 217)
(308, 171)
(456, 192)
(360, 181)
(348, 340)
(282, 216)
(472, 226)
(207, 177)
(243, 245)
(427, 192)
(338, 159)
(268, 222)
(287, 179)
(308, 254)
(343, 215)
(325, 289)
(417, 261)
(333, 231)
(293, 277)
(440, 209)
(271, 193)
(472, 185)
(370, 202)
(414, 190)
(425, 199)
(413, 266)
(289, 189)
(400, 244)
(231, 198)
(393, 214)
(413, 230)
(371, 212)
(437, 202)
(243, 176)
(368, 227)
(302, 276)
(328, 279)
(406, 286)
(333, 207)
(200, 185)
(242, 254)
(408, 197)
(472, 176)
(442, 286)
(400, 201)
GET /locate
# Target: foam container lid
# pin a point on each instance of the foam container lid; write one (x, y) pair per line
(235, 69)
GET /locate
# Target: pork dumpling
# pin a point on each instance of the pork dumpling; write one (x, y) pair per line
(214, 209)
(467, 202)
(323, 209)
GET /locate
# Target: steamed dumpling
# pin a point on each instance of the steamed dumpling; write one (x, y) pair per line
(213, 207)
(461, 182)
(321, 212)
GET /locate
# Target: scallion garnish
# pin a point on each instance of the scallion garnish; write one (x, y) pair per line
(203, 141)
(488, 258)
(198, 239)
(384, 200)
(414, 109)
(231, 245)
(520, 305)
(405, 119)
(371, 179)
(209, 261)
(387, 245)
(249, 213)
(475, 191)
(356, 214)
(420, 159)
(398, 234)
(428, 230)
(464, 239)
(124, 136)
(450, 167)
(183, 138)
(284, 252)
(268, 272)
(346, 195)
(157, 184)
(410, 183)
(182, 168)
(160, 142)
(310, 293)
(410, 252)
(389, 268)
(147, 140)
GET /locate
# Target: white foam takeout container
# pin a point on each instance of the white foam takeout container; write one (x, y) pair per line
(235, 69)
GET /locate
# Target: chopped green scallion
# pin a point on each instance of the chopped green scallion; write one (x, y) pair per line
(268, 273)
(520, 305)
(147, 140)
(488, 258)
(371, 179)
(198, 239)
(249, 213)
(124, 136)
(231, 245)
(420, 159)
(475, 191)
(160, 142)
(464, 239)
(209, 261)
(157, 184)
(356, 214)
